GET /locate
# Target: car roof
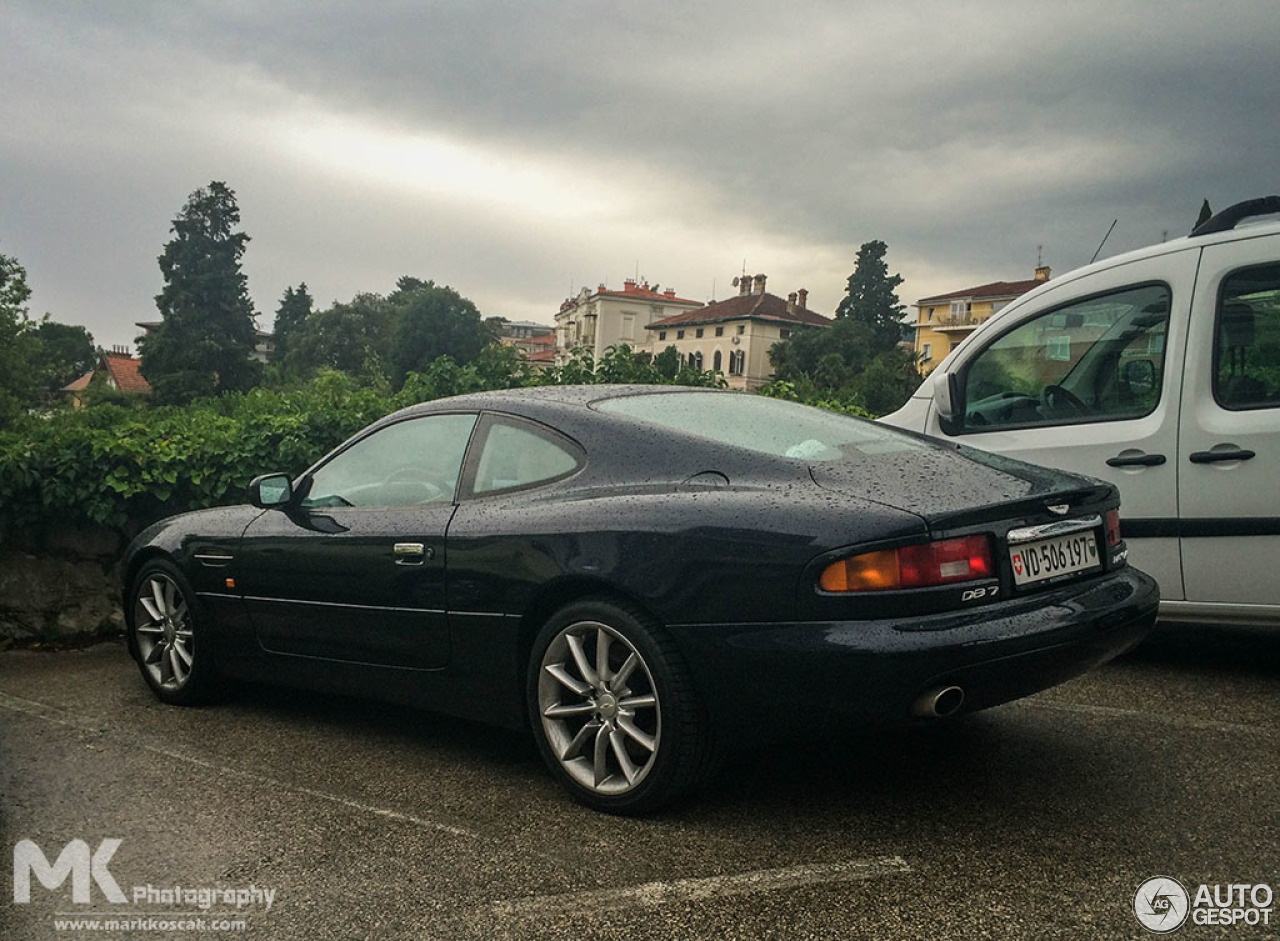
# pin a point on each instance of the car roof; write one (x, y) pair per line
(543, 403)
(580, 396)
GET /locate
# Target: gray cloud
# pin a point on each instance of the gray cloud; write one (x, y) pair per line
(514, 150)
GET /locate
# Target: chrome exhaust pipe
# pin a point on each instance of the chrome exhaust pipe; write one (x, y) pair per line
(939, 703)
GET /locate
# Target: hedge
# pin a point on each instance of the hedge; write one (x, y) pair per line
(124, 467)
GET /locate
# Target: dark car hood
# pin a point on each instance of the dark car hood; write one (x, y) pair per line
(957, 486)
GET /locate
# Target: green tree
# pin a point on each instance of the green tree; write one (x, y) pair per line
(67, 352)
(619, 364)
(668, 362)
(842, 350)
(353, 338)
(20, 384)
(887, 382)
(431, 321)
(494, 325)
(207, 336)
(295, 307)
(503, 367)
(871, 297)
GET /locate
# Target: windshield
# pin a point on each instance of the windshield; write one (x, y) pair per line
(757, 423)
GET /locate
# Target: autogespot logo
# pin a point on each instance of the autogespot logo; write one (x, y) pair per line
(1161, 904)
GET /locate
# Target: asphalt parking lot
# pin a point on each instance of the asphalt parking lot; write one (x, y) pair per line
(1034, 820)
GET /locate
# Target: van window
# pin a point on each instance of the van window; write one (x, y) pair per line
(1099, 359)
(1246, 352)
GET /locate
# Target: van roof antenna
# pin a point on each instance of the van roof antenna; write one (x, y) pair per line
(1104, 241)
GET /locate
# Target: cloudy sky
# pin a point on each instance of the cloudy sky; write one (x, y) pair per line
(519, 150)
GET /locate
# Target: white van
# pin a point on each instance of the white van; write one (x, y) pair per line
(1157, 370)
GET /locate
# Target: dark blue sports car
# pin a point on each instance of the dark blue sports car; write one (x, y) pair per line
(643, 576)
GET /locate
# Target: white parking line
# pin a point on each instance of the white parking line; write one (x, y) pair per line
(46, 712)
(653, 894)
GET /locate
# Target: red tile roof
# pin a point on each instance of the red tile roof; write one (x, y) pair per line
(745, 306)
(987, 291)
(639, 291)
(548, 339)
(124, 369)
(543, 356)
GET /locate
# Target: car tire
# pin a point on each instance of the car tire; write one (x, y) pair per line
(168, 636)
(614, 711)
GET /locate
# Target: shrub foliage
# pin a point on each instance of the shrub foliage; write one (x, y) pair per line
(125, 467)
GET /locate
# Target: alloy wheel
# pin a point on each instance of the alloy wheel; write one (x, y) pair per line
(162, 626)
(599, 708)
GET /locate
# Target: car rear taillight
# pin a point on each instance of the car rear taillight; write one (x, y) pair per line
(1113, 527)
(919, 566)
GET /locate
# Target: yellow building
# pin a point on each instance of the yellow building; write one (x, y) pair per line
(943, 320)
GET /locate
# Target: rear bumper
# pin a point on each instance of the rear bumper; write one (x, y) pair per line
(765, 680)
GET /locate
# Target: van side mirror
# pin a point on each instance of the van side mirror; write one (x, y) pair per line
(1139, 375)
(270, 491)
(948, 398)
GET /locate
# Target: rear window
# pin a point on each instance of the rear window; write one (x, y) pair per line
(1247, 346)
(757, 423)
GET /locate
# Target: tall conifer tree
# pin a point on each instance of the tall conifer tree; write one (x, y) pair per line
(205, 342)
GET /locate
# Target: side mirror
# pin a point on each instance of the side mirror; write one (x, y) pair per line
(948, 399)
(1139, 375)
(270, 490)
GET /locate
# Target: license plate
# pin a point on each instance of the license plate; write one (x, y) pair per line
(1053, 558)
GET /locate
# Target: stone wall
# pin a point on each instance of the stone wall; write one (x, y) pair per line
(60, 586)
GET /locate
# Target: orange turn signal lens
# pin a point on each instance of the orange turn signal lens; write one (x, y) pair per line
(920, 566)
(871, 571)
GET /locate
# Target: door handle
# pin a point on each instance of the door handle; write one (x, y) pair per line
(1212, 457)
(411, 553)
(1136, 460)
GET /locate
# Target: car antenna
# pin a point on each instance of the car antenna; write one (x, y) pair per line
(1104, 241)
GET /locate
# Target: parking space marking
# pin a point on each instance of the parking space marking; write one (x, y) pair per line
(1114, 712)
(678, 891)
(49, 713)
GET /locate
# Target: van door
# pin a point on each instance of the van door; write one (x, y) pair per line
(1088, 379)
(1229, 453)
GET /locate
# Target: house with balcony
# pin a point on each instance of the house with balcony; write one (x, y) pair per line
(600, 318)
(734, 336)
(943, 320)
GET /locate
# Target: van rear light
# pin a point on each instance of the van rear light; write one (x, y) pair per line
(920, 566)
(1113, 527)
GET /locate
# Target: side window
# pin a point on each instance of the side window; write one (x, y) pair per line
(411, 462)
(1100, 359)
(518, 456)
(1246, 351)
